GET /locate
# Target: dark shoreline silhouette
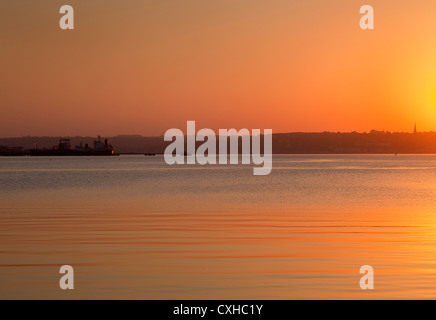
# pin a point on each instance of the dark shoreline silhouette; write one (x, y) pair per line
(375, 142)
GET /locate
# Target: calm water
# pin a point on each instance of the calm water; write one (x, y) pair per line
(133, 227)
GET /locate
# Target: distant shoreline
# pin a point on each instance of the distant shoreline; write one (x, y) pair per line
(374, 142)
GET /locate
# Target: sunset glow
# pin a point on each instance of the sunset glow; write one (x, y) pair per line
(141, 67)
(217, 155)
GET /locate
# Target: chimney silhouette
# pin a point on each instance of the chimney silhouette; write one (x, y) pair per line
(414, 129)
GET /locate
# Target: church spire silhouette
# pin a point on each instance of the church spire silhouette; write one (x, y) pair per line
(414, 129)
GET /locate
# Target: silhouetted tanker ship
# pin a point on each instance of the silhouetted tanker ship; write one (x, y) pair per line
(64, 149)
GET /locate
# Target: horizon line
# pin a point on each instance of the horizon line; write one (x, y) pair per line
(274, 133)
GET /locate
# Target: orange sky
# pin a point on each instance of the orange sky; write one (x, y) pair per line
(144, 66)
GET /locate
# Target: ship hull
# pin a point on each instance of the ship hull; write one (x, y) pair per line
(71, 153)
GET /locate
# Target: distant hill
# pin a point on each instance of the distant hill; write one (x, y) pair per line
(339, 143)
(283, 143)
